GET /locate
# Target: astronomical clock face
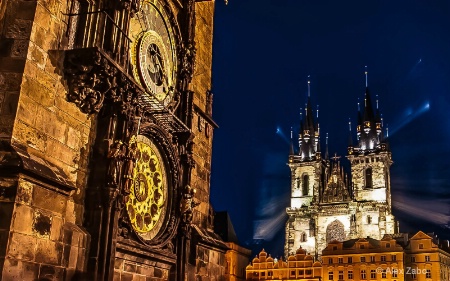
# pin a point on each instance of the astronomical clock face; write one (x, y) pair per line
(153, 52)
(147, 200)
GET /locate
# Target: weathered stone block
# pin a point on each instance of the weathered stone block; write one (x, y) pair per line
(129, 267)
(24, 192)
(145, 270)
(116, 276)
(21, 246)
(10, 81)
(126, 276)
(12, 269)
(48, 252)
(42, 223)
(9, 104)
(4, 234)
(25, 10)
(37, 55)
(18, 29)
(37, 92)
(8, 64)
(48, 272)
(56, 230)
(6, 211)
(30, 270)
(49, 200)
(22, 217)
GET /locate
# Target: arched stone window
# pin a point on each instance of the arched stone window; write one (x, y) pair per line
(305, 185)
(303, 237)
(335, 231)
(368, 177)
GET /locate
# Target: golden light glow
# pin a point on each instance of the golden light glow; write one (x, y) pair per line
(148, 192)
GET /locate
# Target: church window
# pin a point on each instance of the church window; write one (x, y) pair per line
(305, 185)
(369, 219)
(297, 183)
(335, 231)
(303, 237)
(368, 177)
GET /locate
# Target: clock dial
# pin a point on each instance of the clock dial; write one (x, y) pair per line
(153, 53)
(147, 200)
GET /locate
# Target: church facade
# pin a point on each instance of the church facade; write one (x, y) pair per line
(326, 203)
(106, 135)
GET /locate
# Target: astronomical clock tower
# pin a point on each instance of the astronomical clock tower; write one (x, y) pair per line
(106, 135)
(328, 204)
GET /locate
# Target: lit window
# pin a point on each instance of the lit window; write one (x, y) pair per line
(369, 219)
(395, 273)
(394, 257)
(350, 260)
(428, 274)
(363, 259)
(372, 258)
(305, 185)
(303, 237)
(330, 260)
(340, 260)
(427, 258)
(383, 258)
(363, 274)
(350, 274)
(368, 177)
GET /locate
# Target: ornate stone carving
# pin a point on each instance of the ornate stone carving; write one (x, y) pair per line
(335, 231)
(90, 78)
(187, 206)
(188, 54)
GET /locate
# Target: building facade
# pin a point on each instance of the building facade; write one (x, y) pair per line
(326, 203)
(364, 259)
(105, 141)
(299, 267)
(398, 257)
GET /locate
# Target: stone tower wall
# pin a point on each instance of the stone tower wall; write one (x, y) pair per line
(41, 237)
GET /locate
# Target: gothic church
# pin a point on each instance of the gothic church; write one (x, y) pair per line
(328, 204)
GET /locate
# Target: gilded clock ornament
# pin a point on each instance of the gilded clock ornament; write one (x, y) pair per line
(153, 52)
(147, 200)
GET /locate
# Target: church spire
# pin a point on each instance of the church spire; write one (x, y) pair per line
(370, 127)
(291, 148)
(309, 131)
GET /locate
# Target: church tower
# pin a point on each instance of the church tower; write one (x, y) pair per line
(327, 204)
(370, 166)
(307, 168)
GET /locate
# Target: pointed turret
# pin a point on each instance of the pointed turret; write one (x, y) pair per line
(309, 132)
(369, 128)
(291, 148)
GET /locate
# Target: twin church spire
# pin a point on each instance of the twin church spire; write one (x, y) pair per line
(369, 130)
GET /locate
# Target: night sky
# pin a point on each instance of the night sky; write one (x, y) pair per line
(264, 51)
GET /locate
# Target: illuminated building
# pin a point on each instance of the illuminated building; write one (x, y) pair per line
(426, 258)
(326, 203)
(363, 259)
(298, 267)
(106, 132)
